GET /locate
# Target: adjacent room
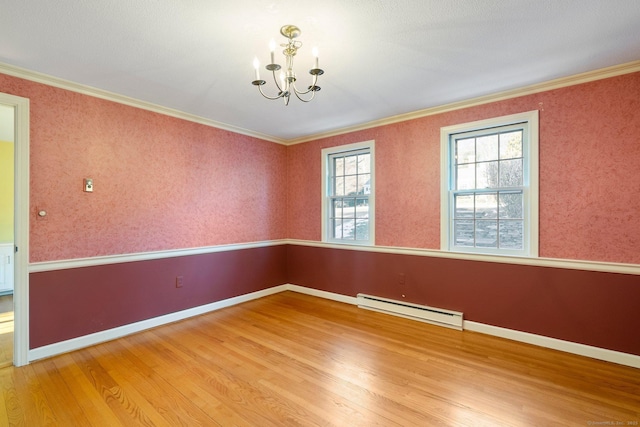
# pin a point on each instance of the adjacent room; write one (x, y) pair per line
(394, 213)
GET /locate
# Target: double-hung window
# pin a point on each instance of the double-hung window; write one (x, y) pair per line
(490, 186)
(348, 194)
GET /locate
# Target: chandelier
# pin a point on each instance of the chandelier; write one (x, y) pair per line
(286, 82)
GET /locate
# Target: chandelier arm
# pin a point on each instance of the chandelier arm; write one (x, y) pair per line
(275, 80)
(300, 92)
(287, 83)
(280, 95)
(313, 84)
(313, 94)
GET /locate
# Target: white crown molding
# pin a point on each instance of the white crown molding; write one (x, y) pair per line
(37, 77)
(603, 73)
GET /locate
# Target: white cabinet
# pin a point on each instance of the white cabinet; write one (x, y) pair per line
(6, 268)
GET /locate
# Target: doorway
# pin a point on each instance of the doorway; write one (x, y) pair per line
(7, 139)
(15, 127)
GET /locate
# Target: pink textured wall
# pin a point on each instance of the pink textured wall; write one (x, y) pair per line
(164, 183)
(160, 182)
(589, 173)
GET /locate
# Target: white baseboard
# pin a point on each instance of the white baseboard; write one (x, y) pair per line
(111, 334)
(323, 294)
(556, 344)
(525, 337)
(121, 331)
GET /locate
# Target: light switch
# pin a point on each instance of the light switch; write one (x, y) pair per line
(88, 185)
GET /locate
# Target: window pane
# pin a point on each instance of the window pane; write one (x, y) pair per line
(511, 173)
(338, 188)
(349, 191)
(466, 150)
(364, 184)
(466, 177)
(348, 229)
(362, 229)
(336, 226)
(486, 206)
(336, 208)
(463, 206)
(348, 208)
(487, 148)
(362, 208)
(351, 165)
(364, 163)
(511, 234)
(487, 175)
(511, 205)
(339, 166)
(350, 185)
(486, 234)
(511, 145)
(463, 233)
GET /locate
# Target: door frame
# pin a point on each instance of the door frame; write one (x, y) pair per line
(20, 227)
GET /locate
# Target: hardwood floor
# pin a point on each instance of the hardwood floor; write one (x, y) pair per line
(292, 359)
(6, 330)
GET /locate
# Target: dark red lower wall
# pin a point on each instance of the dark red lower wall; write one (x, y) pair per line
(592, 308)
(66, 304)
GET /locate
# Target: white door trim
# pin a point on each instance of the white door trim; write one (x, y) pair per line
(21, 227)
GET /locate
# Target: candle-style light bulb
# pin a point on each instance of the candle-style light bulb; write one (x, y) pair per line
(272, 48)
(256, 65)
(314, 51)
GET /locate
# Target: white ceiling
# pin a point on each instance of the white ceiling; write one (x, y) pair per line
(381, 58)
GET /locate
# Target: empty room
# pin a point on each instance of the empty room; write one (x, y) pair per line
(279, 213)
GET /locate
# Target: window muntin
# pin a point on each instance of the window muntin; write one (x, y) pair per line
(348, 201)
(488, 189)
(490, 172)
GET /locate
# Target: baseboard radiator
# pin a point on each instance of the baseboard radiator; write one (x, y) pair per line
(437, 316)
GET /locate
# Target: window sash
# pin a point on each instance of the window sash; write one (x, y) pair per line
(346, 224)
(348, 180)
(527, 185)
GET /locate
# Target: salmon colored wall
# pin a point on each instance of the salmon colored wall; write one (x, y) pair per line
(159, 182)
(589, 179)
(6, 192)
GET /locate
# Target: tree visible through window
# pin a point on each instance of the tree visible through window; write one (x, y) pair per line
(349, 183)
(489, 206)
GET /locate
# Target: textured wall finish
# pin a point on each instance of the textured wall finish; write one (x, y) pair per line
(589, 180)
(159, 182)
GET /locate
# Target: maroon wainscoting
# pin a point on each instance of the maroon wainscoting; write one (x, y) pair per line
(65, 304)
(592, 308)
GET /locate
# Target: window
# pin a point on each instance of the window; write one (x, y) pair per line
(490, 186)
(348, 194)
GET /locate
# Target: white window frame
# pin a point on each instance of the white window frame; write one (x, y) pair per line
(326, 205)
(529, 120)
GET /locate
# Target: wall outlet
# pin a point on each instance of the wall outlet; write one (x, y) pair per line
(88, 185)
(401, 279)
(179, 282)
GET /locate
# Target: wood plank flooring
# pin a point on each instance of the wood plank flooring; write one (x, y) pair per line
(294, 360)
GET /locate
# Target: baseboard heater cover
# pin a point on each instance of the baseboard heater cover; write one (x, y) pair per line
(436, 316)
